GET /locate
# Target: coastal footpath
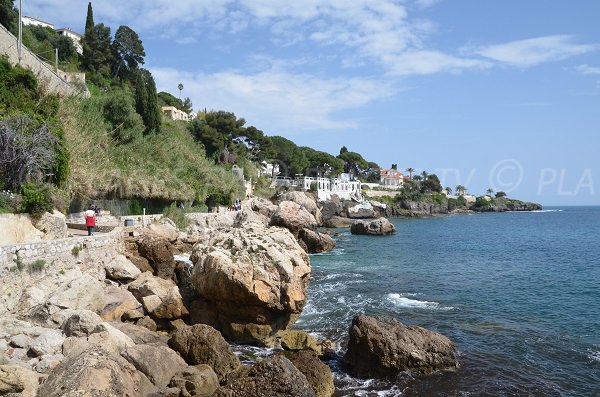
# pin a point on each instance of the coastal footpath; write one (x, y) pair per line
(154, 312)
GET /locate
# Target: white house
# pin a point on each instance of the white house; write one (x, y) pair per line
(74, 36)
(175, 114)
(343, 186)
(391, 178)
(267, 170)
(31, 21)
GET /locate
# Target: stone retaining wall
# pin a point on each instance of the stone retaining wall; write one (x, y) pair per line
(59, 249)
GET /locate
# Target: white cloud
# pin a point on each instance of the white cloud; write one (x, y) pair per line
(426, 3)
(429, 62)
(587, 69)
(532, 52)
(276, 100)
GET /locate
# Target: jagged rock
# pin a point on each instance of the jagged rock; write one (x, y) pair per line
(375, 227)
(360, 211)
(384, 347)
(251, 282)
(147, 323)
(246, 217)
(263, 206)
(116, 336)
(165, 228)
(81, 323)
(197, 381)
(316, 242)
(338, 222)
(48, 362)
(117, 301)
(295, 340)
(18, 381)
(159, 253)
(158, 363)
(317, 373)
(294, 217)
(48, 342)
(133, 315)
(53, 225)
(21, 341)
(332, 207)
(202, 344)
(275, 376)
(306, 201)
(121, 269)
(95, 371)
(48, 304)
(141, 335)
(160, 297)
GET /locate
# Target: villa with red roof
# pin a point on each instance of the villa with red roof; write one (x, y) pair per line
(391, 177)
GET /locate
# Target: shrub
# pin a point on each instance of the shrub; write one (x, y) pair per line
(37, 265)
(19, 264)
(177, 215)
(37, 198)
(126, 124)
(76, 250)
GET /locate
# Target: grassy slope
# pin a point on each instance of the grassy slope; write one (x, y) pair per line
(169, 165)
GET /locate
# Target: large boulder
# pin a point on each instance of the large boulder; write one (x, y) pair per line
(317, 373)
(375, 227)
(17, 381)
(306, 201)
(273, 377)
(165, 228)
(117, 301)
(251, 282)
(141, 335)
(81, 323)
(338, 222)
(160, 297)
(53, 225)
(294, 217)
(95, 371)
(197, 381)
(332, 207)
(316, 242)
(263, 206)
(384, 347)
(158, 363)
(158, 251)
(202, 344)
(121, 269)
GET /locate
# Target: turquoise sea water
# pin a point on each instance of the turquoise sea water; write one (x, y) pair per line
(519, 294)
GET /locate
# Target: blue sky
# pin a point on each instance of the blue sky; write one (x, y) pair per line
(499, 94)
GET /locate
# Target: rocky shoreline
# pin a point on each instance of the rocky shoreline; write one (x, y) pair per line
(141, 321)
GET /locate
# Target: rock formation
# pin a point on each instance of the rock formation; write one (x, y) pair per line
(384, 347)
(375, 227)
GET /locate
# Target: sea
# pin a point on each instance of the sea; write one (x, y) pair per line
(518, 293)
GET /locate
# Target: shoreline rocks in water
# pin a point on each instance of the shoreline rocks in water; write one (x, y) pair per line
(383, 347)
(375, 227)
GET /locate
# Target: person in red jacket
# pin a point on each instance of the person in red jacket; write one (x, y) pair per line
(90, 220)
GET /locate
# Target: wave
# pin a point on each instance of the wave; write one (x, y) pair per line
(594, 355)
(402, 301)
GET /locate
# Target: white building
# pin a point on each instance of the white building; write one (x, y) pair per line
(343, 187)
(392, 178)
(267, 170)
(31, 21)
(74, 36)
(175, 114)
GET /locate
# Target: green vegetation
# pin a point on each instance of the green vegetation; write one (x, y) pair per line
(37, 198)
(37, 265)
(76, 250)
(9, 16)
(177, 215)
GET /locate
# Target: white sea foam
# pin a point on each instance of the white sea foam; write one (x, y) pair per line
(401, 300)
(594, 355)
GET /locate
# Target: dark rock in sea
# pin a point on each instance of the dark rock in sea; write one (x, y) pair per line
(332, 207)
(202, 344)
(315, 242)
(375, 227)
(383, 347)
(271, 377)
(317, 373)
(504, 204)
(338, 222)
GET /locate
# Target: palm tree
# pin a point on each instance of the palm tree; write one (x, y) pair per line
(489, 192)
(417, 178)
(410, 171)
(424, 175)
(448, 190)
(180, 86)
(460, 190)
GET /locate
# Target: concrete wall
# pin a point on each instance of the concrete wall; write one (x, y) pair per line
(45, 73)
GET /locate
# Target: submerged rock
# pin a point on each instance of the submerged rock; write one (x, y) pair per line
(375, 227)
(251, 282)
(384, 347)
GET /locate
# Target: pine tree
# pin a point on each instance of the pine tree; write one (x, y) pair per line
(141, 96)
(146, 101)
(90, 43)
(154, 115)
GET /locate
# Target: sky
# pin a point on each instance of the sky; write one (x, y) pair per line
(502, 95)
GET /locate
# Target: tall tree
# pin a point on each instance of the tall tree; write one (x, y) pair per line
(187, 107)
(9, 16)
(102, 56)
(128, 52)
(289, 156)
(410, 171)
(89, 43)
(146, 100)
